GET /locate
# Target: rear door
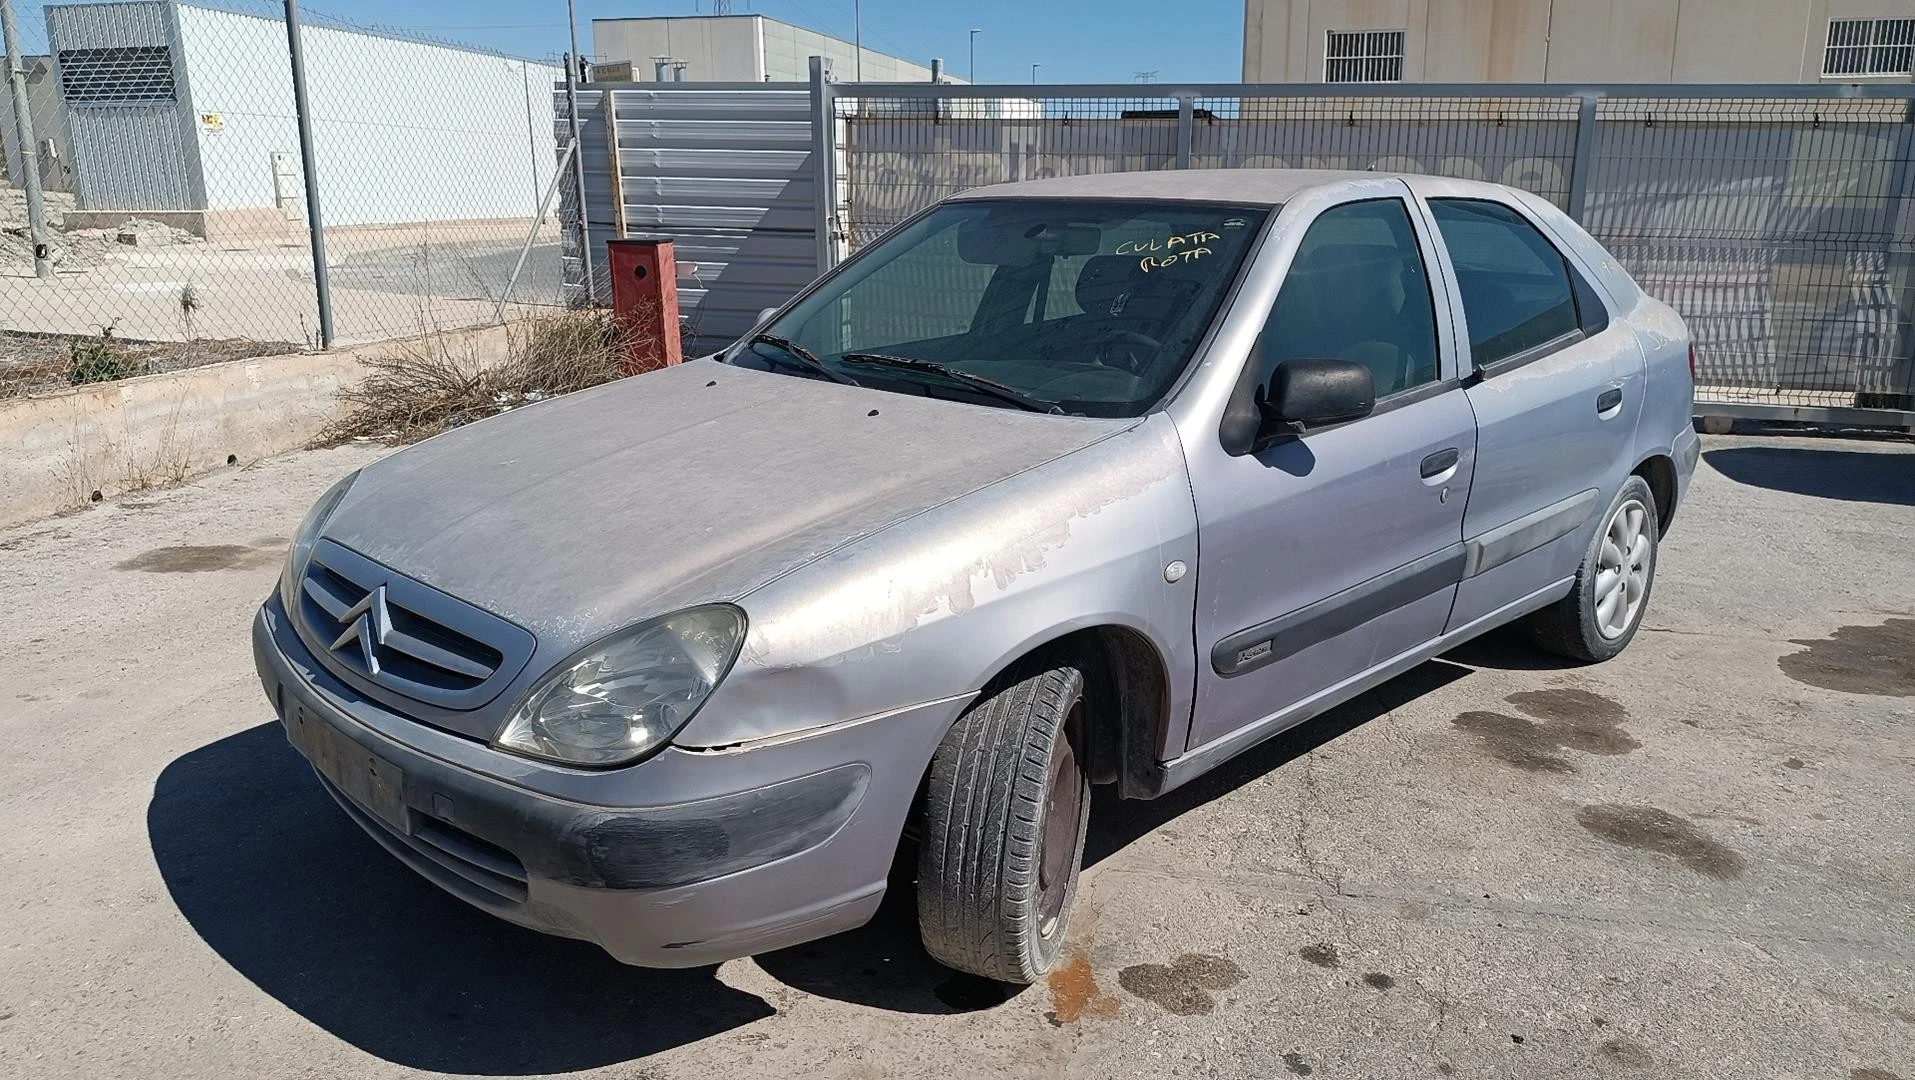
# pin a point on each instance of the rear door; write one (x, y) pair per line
(1328, 554)
(1556, 390)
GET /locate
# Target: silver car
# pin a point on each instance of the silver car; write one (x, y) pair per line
(1099, 480)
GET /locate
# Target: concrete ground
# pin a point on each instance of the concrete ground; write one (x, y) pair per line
(387, 282)
(1697, 860)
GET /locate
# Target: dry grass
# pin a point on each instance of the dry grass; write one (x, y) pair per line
(425, 389)
(33, 363)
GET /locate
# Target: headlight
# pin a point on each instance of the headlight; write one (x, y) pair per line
(626, 694)
(301, 551)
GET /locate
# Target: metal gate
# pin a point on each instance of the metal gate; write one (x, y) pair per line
(725, 171)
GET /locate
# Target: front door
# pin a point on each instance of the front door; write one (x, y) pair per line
(1556, 393)
(1328, 554)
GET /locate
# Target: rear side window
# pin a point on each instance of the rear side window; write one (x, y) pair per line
(1518, 291)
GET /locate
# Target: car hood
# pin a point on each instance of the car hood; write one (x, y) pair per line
(696, 483)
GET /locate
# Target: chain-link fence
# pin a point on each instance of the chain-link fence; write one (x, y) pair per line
(165, 138)
(1780, 221)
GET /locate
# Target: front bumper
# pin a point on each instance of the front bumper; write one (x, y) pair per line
(754, 849)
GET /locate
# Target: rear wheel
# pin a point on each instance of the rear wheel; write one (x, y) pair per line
(1601, 614)
(1006, 808)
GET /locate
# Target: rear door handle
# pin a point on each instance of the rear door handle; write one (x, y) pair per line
(1440, 462)
(1609, 400)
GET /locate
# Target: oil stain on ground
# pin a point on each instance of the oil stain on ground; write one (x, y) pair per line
(1646, 828)
(1075, 994)
(1563, 719)
(200, 558)
(1626, 1053)
(1322, 954)
(1876, 660)
(1296, 1064)
(1184, 986)
(1376, 980)
(1872, 1074)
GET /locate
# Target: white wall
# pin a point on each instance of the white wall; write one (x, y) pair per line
(740, 48)
(403, 131)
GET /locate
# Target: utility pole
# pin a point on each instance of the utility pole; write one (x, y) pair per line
(578, 158)
(1034, 68)
(975, 31)
(857, 35)
(315, 223)
(29, 149)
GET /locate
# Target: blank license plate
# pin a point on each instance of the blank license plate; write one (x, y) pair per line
(374, 783)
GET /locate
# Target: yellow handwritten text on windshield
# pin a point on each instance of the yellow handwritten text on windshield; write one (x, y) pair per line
(1155, 245)
(1154, 262)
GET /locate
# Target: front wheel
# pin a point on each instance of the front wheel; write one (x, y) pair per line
(1006, 808)
(1602, 613)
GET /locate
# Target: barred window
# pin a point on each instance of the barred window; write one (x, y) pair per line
(1870, 47)
(130, 74)
(1351, 56)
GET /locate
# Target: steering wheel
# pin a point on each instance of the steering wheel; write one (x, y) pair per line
(1132, 362)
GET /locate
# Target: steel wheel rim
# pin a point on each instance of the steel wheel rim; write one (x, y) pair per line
(1058, 852)
(1623, 564)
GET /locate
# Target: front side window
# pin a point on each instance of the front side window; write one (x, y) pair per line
(1516, 287)
(1357, 290)
(1087, 307)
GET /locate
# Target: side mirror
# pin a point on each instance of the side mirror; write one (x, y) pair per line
(765, 316)
(1311, 393)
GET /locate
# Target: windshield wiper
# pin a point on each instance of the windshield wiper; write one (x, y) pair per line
(801, 358)
(987, 387)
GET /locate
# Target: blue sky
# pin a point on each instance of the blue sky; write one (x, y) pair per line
(1074, 40)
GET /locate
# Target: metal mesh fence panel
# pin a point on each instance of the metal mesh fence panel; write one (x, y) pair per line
(1780, 230)
(903, 154)
(166, 140)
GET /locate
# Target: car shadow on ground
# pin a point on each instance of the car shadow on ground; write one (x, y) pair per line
(285, 888)
(1849, 475)
(272, 875)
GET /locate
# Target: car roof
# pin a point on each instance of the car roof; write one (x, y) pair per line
(1243, 187)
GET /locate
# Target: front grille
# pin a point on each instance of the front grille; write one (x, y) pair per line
(373, 625)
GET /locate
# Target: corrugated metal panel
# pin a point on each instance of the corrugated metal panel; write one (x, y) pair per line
(727, 175)
(125, 156)
(148, 152)
(108, 26)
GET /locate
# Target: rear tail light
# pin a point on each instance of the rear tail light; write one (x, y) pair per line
(1692, 361)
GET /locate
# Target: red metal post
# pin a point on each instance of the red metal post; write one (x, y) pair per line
(645, 302)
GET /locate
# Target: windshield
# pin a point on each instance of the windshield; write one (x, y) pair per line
(1087, 307)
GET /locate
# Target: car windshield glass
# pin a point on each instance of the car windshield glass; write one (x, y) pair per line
(1086, 307)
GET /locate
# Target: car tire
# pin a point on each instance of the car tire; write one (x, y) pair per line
(1583, 626)
(1007, 803)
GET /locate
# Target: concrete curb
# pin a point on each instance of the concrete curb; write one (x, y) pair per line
(62, 450)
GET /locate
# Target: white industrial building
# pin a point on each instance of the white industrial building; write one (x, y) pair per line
(185, 113)
(736, 48)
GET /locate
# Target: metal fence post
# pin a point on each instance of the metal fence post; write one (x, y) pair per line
(1186, 128)
(824, 159)
(29, 149)
(578, 159)
(1585, 157)
(302, 109)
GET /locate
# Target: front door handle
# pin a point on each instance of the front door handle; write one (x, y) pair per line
(1609, 400)
(1440, 462)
